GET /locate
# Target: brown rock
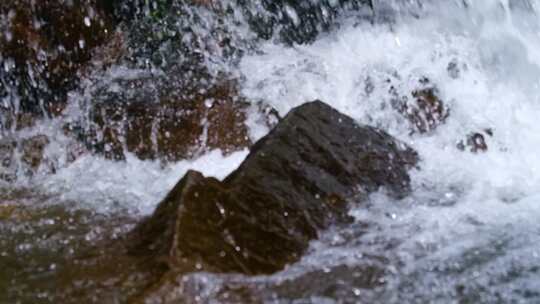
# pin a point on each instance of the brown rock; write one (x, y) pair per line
(28, 152)
(475, 142)
(426, 111)
(171, 129)
(32, 150)
(294, 182)
(7, 162)
(49, 40)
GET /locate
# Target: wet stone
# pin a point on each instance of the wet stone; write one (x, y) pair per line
(25, 155)
(42, 46)
(425, 111)
(295, 182)
(300, 21)
(172, 128)
(45, 245)
(32, 150)
(476, 142)
(7, 161)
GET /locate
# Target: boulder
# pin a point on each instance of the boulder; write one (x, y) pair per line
(170, 129)
(296, 181)
(8, 167)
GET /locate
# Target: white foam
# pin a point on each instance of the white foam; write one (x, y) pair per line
(134, 184)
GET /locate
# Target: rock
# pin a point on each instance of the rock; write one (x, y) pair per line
(297, 21)
(42, 46)
(32, 150)
(170, 129)
(475, 142)
(26, 154)
(426, 111)
(295, 181)
(7, 163)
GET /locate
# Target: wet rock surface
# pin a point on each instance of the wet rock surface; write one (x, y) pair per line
(295, 182)
(170, 129)
(425, 110)
(42, 45)
(300, 21)
(70, 40)
(46, 247)
(476, 141)
(22, 157)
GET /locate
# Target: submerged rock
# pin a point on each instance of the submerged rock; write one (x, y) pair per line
(425, 111)
(8, 167)
(32, 150)
(42, 46)
(299, 21)
(25, 156)
(295, 181)
(475, 142)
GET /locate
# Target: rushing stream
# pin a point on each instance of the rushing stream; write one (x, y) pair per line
(468, 233)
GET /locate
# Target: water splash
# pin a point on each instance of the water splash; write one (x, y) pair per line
(468, 231)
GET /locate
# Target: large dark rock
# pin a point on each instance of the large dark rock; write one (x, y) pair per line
(295, 181)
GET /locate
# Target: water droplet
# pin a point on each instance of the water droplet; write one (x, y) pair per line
(209, 102)
(87, 21)
(356, 292)
(49, 222)
(291, 13)
(221, 209)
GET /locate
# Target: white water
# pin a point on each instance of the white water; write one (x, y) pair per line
(471, 226)
(134, 185)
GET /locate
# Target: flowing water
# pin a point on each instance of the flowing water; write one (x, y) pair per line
(468, 233)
